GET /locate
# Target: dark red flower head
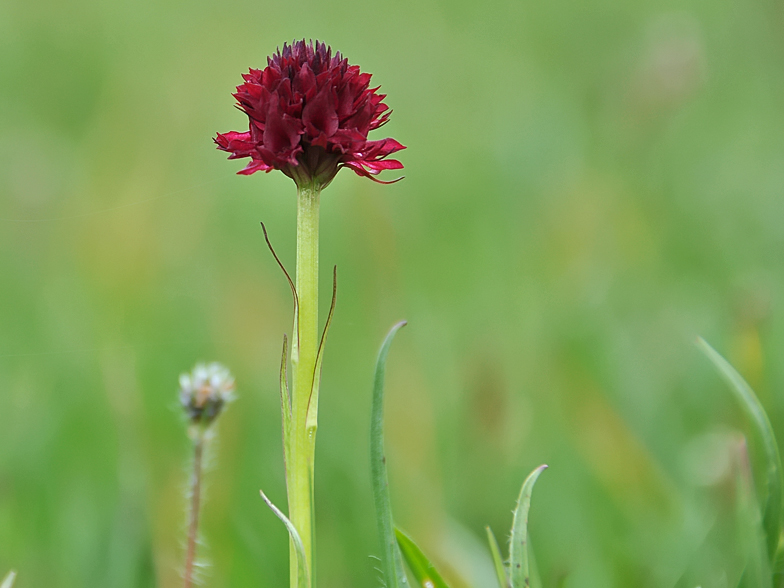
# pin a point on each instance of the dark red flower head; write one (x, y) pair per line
(310, 114)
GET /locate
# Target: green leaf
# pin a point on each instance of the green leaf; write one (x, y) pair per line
(391, 560)
(771, 519)
(424, 571)
(757, 573)
(778, 568)
(498, 560)
(518, 548)
(303, 576)
(8, 581)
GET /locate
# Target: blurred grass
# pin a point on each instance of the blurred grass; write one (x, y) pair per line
(588, 186)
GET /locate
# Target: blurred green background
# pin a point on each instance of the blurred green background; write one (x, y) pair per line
(588, 186)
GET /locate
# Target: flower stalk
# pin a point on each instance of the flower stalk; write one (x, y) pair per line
(299, 474)
(195, 505)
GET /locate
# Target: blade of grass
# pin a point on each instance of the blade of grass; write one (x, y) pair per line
(424, 571)
(778, 570)
(391, 560)
(536, 580)
(498, 560)
(518, 545)
(303, 576)
(8, 581)
(771, 518)
(757, 572)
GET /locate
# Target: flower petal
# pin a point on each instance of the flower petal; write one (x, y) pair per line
(281, 131)
(360, 171)
(319, 115)
(254, 166)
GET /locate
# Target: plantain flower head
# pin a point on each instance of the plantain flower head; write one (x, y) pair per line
(205, 391)
(309, 114)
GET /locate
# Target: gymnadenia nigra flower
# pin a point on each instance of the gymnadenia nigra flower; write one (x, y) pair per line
(309, 115)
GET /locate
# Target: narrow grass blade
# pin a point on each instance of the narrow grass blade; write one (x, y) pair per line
(391, 560)
(8, 581)
(311, 420)
(757, 573)
(535, 579)
(498, 559)
(295, 328)
(285, 403)
(518, 545)
(771, 518)
(303, 576)
(424, 571)
(778, 567)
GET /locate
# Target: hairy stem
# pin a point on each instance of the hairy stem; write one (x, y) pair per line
(193, 518)
(300, 472)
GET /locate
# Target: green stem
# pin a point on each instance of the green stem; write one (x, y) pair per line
(300, 472)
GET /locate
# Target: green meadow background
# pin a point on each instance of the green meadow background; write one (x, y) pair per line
(589, 185)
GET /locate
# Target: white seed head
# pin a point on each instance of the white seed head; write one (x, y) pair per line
(205, 391)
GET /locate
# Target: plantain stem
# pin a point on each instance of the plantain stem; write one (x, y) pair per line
(193, 519)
